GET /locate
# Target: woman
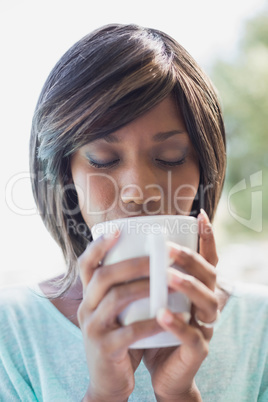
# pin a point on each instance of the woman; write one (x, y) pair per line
(127, 124)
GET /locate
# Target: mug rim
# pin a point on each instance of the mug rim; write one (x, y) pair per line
(147, 217)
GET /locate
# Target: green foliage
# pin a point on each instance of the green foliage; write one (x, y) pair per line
(243, 87)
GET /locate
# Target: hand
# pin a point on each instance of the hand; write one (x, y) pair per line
(107, 290)
(173, 369)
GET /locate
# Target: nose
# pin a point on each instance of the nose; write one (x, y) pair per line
(140, 186)
(138, 198)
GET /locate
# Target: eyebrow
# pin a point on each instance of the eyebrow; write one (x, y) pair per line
(162, 136)
(158, 137)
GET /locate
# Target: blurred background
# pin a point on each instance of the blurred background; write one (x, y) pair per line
(228, 39)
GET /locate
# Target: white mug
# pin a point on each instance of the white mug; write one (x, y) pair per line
(148, 236)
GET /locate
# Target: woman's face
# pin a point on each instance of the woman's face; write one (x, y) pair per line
(147, 167)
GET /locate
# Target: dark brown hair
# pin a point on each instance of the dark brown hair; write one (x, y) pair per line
(106, 80)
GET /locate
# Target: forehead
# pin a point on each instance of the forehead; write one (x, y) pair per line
(158, 124)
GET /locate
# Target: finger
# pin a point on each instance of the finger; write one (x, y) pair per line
(189, 336)
(194, 264)
(207, 245)
(201, 296)
(203, 325)
(117, 341)
(94, 253)
(104, 278)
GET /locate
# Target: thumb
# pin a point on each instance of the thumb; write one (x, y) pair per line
(207, 244)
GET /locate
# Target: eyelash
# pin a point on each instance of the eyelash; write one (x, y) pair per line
(111, 164)
(171, 164)
(102, 165)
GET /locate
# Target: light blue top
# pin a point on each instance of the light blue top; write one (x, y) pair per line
(42, 354)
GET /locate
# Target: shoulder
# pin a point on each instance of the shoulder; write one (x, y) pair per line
(244, 295)
(250, 299)
(13, 296)
(19, 304)
(17, 296)
(247, 309)
(251, 292)
(24, 319)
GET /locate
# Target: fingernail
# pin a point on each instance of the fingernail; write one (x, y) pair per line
(179, 255)
(111, 235)
(172, 245)
(174, 276)
(173, 251)
(171, 261)
(185, 316)
(203, 215)
(165, 316)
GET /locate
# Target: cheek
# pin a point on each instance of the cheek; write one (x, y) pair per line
(97, 195)
(103, 193)
(184, 190)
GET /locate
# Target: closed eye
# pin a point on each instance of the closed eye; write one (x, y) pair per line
(171, 163)
(105, 165)
(99, 165)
